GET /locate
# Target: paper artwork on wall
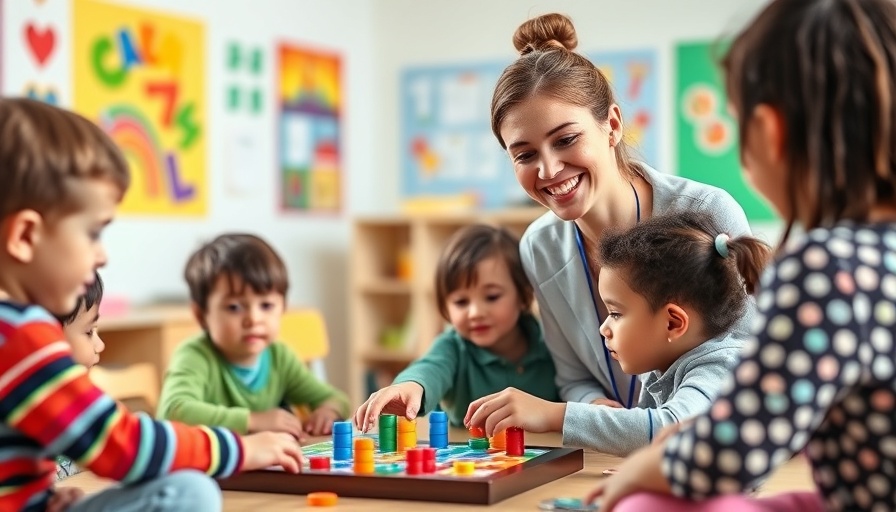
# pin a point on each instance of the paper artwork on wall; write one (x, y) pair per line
(35, 47)
(245, 78)
(634, 78)
(447, 144)
(139, 74)
(310, 104)
(707, 147)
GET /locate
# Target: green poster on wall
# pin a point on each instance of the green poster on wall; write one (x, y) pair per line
(707, 134)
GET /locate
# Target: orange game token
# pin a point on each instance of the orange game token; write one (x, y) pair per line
(322, 499)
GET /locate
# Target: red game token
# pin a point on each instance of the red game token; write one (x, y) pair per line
(319, 462)
(516, 445)
(414, 455)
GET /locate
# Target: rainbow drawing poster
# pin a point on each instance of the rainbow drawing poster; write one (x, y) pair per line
(139, 75)
(309, 103)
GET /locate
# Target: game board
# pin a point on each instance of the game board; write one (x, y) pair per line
(496, 477)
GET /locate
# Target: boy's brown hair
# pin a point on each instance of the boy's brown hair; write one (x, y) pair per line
(465, 249)
(235, 255)
(44, 150)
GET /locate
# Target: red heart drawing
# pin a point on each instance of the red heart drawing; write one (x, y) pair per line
(41, 43)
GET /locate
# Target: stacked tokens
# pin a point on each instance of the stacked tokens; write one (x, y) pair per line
(342, 440)
(499, 440)
(407, 434)
(387, 433)
(438, 429)
(319, 462)
(478, 441)
(516, 444)
(364, 462)
(420, 460)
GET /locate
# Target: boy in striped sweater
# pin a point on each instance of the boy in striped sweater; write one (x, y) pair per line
(62, 179)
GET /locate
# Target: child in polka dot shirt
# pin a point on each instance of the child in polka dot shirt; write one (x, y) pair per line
(812, 83)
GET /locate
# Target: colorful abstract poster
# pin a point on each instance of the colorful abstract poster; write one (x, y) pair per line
(707, 134)
(141, 76)
(447, 145)
(634, 77)
(309, 98)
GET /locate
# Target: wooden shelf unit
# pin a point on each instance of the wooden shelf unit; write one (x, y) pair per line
(391, 274)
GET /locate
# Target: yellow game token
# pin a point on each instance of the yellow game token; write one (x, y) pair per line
(322, 499)
(464, 467)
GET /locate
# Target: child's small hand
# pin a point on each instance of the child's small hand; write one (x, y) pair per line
(402, 399)
(320, 422)
(607, 402)
(639, 472)
(267, 449)
(514, 408)
(276, 420)
(63, 498)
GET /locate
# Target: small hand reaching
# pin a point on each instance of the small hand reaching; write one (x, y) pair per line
(267, 449)
(401, 399)
(514, 408)
(320, 422)
(277, 420)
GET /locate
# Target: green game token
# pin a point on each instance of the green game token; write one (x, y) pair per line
(389, 469)
(479, 443)
(388, 420)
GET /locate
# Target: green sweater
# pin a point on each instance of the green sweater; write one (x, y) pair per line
(200, 387)
(455, 372)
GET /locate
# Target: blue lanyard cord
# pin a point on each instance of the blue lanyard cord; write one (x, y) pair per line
(631, 387)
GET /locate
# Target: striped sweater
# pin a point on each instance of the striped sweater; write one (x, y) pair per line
(49, 407)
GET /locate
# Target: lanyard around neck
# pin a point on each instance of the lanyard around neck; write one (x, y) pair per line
(588, 277)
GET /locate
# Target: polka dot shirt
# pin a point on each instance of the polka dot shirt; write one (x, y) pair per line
(817, 376)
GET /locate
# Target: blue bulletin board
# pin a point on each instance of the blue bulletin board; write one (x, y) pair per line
(447, 146)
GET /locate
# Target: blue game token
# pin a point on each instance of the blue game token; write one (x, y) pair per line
(567, 505)
(342, 427)
(438, 417)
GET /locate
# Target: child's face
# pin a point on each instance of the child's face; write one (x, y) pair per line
(84, 338)
(487, 312)
(240, 322)
(634, 334)
(61, 255)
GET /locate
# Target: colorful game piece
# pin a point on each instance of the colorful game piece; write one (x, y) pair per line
(516, 444)
(479, 443)
(464, 467)
(342, 440)
(499, 440)
(429, 460)
(364, 461)
(322, 499)
(319, 462)
(567, 505)
(438, 429)
(387, 433)
(477, 432)
(407, 434)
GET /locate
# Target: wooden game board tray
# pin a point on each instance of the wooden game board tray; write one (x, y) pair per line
(552, 465)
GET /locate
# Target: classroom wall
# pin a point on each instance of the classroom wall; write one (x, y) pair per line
(377, 40)
(415, 33)
(147, 254)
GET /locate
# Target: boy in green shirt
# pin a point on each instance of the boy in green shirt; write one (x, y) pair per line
(235, 374)
(494, 342)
